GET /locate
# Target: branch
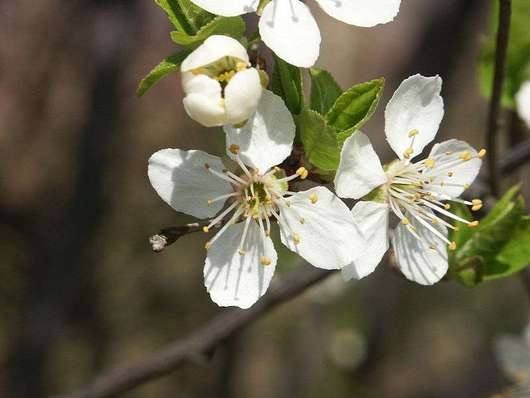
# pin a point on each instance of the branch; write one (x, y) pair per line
(494, 122)
(200, 344)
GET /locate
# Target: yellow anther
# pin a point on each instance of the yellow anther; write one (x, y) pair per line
(447, 206)
(268, 199)
(265, 260)
(448, 153)
(482, 153)
(207, 245)
(302, 220)
(413, 229)
(210, 201)
(241, 66)
(296, 239)
(466, 186)
(242, 252)
(413, 133)
(457, 228)
(405, 221)
(477, 204)
(205, 229)
(313, 198)
(452, 245)
(465, 156)
(473, 224)
(432, 247)
(430, 163)
(302, 172)
(450, 173)
(234, 149)
(434, 221)
(417, 196)
(408, 153)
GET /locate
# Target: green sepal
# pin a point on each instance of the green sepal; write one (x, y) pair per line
(228, 26)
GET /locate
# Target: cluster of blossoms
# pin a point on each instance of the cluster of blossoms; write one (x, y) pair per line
(257, 189)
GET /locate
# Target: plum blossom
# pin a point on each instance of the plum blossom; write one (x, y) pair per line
(289, 28)
(221, 88)
(243, 206)
(416, 192)
(522, 101)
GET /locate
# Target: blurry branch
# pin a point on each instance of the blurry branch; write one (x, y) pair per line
(200, 344)
(494, 118)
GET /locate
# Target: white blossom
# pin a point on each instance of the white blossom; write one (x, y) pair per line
(416, 192)
(242, 206)
(289, 28)
(522, 101)
(220, 86)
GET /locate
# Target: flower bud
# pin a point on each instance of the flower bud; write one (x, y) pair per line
(220, 85)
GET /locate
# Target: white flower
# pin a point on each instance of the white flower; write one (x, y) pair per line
(522, 100)
(289, 29)
(221, 88)
(413, 191)
(241, 257)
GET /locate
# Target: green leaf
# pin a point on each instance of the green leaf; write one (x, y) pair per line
(169, 65)
(485, 251)
(231, 26)
(355, 107)
(518, 66)
(319, 140)
(185, 16)
(324, 90)
(516, 253)
(287, 83)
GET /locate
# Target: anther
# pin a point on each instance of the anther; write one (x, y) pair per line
(242, 252)
(265, 260)
(313, 198)
(302, 220)
(413, 133)
(452, 245)
(477, 204)
(210, 201)
(408, 153)
(466, 186)
(430, 163)
(296, 239)
(241, 66)
(447, 206)
(234, 149)
(207, 245)
(481, 153)
(434, 221)
(465, 156)
(405, 221)
(473, 224)
(205, 229)
(302, 172)
(450, 173)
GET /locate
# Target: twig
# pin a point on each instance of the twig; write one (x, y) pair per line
(169, 235)
(199, 344)
(501, 50)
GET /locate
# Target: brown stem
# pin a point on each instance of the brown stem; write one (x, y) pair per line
(494, 118)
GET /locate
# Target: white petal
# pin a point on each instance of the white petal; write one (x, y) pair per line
(326, 233)
(464, 173)
(182, 181)
(416, 260)
(267, 138)
(416, 105)
(372, 219)
(288, 28)
(236, 280)
(360, 170)
(214, 48)
(203, 101)
(227, 8)
(522, 100)
(361, 12)
(242, 96)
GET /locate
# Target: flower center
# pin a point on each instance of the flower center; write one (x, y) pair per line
(415, 189)
(222, 70)
(256, 198)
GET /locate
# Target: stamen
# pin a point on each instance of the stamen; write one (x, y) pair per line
(452, 246)
(313, 198)
(205, 229)
(302, 172)
(408, 153)
(234, 149)
(430, 163)
(477, 204)
(481, 153)
(465, 156)
(473, 224)
(296, 239)
(265, 260)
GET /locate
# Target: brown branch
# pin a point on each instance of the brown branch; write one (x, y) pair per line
(200, 343)
(494, 118)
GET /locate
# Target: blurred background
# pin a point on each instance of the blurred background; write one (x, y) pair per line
(80, 289)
